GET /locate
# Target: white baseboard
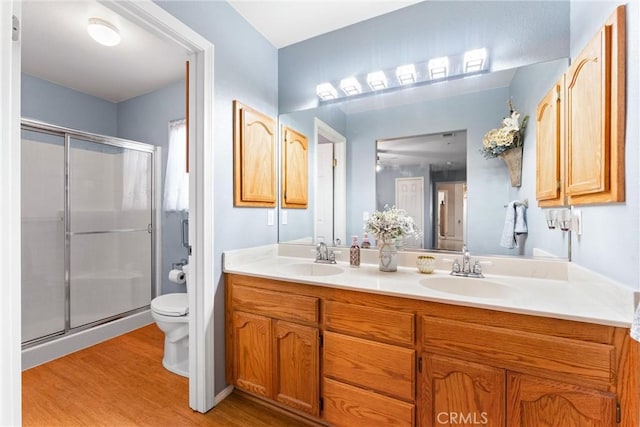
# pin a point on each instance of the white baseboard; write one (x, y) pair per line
(45, 352)
(222, 395)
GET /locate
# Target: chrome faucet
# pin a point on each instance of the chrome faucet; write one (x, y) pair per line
(466, 269)
(324, 255)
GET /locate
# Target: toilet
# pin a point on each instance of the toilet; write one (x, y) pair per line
(171, 314)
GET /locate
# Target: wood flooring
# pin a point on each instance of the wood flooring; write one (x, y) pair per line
(121, 382)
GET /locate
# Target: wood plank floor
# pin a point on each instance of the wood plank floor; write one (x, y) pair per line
(121, 382)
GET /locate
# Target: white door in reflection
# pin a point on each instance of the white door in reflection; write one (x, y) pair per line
(410, 198)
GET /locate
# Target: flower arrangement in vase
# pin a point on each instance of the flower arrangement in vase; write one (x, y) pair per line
(506, 142)
(388, 226)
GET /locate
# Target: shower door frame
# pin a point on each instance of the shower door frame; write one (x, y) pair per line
(155, 226)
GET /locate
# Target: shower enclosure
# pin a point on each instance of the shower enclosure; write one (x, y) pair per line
(88, 230)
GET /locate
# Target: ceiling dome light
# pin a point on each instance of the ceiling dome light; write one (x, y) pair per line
(103, 32)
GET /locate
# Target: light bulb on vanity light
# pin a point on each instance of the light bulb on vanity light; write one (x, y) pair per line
(103, 32)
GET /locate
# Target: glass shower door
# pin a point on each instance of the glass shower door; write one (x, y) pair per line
(42, 257)
(110, 223)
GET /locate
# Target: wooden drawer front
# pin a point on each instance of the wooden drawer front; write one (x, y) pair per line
(368, 322)
(381, 367)
(296, 308)
(350, 406)
(592, 363)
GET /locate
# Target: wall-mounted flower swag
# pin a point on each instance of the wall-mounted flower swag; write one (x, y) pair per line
(510, 135)
(506, 142)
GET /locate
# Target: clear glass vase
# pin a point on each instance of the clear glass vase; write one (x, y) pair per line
(388, 256)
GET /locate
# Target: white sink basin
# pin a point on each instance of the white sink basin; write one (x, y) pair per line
(310, 269)
(470, 287)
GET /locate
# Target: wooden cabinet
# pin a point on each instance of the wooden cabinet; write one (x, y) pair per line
(296, 370)
(532, 373)
(534, 402)
(252, 365)
(295, 169)
(580, 125)
(368, 371)
(269, 355)
(254, 158)
(349, 358)
(457, 392)
(549, 148)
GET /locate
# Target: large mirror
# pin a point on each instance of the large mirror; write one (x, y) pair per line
(433, 134)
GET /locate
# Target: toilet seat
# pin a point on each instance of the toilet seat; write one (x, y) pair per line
(171, 304)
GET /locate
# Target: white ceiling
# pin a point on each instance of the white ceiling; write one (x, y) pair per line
(57, 48)
(286, 22)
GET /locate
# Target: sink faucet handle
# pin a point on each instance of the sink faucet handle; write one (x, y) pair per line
(477, 268)
(455, 268)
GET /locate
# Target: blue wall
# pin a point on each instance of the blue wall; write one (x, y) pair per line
(54, 104)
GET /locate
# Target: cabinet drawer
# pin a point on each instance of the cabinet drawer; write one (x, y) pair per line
(369, 322)
(296, 308)
(583, 362)
(381, 367)
(350, 406)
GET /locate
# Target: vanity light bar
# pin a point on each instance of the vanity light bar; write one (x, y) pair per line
(326, 91)
(406, 74)
(438, 68)
(377, 80)
(474, 60)
(350, 86)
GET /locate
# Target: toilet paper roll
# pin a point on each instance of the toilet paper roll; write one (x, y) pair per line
(177, 276)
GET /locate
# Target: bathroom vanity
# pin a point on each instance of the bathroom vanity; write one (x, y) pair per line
(354, 346)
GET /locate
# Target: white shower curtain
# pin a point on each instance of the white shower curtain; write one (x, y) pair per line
(135, 183)
(176, 183)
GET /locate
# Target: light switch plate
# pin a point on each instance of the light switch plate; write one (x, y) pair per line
(285, 218)
(576, 221)
(270, 217)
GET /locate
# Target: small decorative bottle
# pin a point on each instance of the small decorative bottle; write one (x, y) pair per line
(354, 253)
(365, 241)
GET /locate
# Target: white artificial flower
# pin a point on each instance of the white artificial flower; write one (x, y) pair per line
(512, 122)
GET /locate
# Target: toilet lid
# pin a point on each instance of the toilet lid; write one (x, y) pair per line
(171, 304)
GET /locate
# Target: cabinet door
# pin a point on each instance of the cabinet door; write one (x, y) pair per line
(456, 392)
(595, 116)
(537, 402)
(295, 169)
(252, 353)
(254, 158)
(588, 118)
(296, 373)
(549, 143)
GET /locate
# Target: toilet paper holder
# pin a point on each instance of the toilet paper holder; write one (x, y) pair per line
(179, 265)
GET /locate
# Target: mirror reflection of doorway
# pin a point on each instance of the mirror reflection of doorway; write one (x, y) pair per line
(331, 182)
(410, 198)
(450, 212)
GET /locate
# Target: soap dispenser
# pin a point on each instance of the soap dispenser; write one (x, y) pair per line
(365, 241)
(354, 253)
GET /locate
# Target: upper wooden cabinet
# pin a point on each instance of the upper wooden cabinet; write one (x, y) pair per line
(254, 158)
(585, 118)
(549, 146)
(295, 169)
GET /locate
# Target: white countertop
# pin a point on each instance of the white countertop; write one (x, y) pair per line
(549, 288)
